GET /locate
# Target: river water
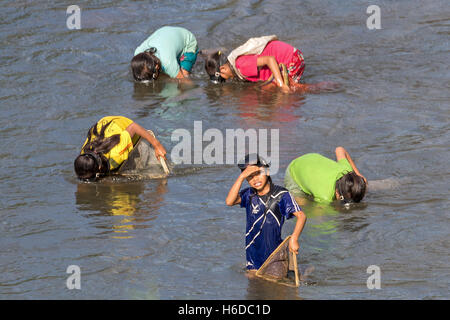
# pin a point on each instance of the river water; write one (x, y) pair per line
(175, 238)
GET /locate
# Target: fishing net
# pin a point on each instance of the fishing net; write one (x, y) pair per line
(277, 266)
(142, 162)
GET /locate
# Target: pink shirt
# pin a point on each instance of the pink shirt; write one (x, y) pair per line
(282, 52)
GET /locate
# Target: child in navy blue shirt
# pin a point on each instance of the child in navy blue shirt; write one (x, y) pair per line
(267, 207)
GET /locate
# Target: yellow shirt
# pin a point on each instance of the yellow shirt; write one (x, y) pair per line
(119, 153)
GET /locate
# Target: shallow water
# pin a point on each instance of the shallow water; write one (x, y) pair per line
(175, 238)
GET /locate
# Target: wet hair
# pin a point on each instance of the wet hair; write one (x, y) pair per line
(212, 66)
(351, 187)
(92, 162)
(143, 65)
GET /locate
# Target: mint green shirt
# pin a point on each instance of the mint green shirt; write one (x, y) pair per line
(316, 175)
(170, 43)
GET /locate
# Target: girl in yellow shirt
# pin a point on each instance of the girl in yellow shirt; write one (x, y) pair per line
(108, 144)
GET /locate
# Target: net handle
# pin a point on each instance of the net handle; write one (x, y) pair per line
(161, 159)
(294, 258)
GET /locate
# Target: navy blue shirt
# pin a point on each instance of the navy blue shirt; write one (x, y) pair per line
(260, 242)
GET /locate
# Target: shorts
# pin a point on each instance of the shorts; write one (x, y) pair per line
(296, 67)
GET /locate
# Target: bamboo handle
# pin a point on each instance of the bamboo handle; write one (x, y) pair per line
(161, 160)
(294, 257)
(164, 165)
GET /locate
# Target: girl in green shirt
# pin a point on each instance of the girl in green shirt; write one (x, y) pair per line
(326, 179)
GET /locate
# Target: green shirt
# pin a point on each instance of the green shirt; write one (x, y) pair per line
(170, 43)
(316, 175)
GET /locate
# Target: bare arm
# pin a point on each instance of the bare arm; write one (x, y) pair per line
(272, 64)
(341, 153)
(233, 197)
(299, 225)
(135, 128)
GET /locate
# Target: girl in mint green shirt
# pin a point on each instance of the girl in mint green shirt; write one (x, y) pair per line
(171, 50)
(326, 179)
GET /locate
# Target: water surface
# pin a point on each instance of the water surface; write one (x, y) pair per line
(175, 238)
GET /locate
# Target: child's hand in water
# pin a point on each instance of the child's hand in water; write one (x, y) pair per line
(364, 178)
(285, 89)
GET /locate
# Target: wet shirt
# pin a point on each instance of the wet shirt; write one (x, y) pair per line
(281, 51)
(119, 153)
(171, 44)
(263, 232)
(316, 175)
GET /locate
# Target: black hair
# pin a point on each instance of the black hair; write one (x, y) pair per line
(143, 65)
(212, 66)
(92, 161)
(252, 159)
(351, 187)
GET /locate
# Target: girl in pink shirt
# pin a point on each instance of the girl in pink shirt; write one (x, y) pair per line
(282, 52)
(261, 67)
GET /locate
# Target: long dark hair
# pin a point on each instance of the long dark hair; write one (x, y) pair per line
(213, 62)
(143, 65)
(92, 161)
(351, 187)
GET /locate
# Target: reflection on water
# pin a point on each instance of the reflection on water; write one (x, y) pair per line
(321, 216)
(180, 240)
(163, 98)
(260, 289)
(328, 218)
(256, 104)
(123, 200)
(167, 90)
(164, 88)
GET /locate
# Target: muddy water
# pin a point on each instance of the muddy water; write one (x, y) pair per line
(175, 238)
